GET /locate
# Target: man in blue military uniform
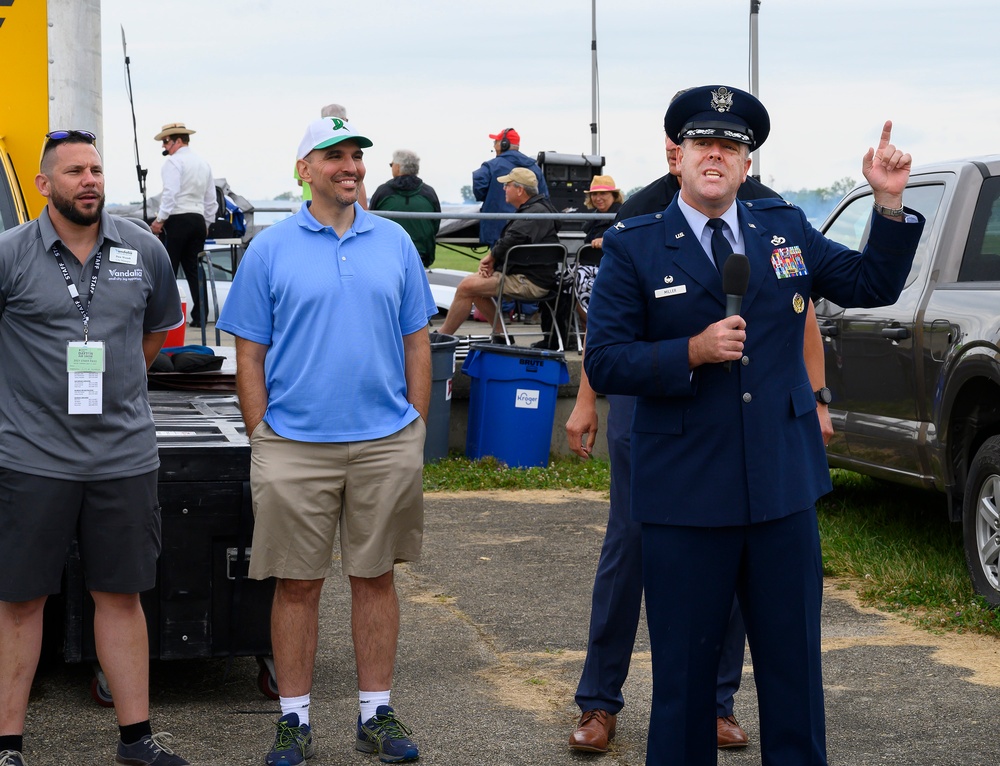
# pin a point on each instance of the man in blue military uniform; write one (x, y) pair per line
(728, 459)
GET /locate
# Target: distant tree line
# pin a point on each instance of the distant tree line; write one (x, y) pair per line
(818, 203)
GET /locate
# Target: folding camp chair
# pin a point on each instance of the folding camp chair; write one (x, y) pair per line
(550, 255)
(587, 256)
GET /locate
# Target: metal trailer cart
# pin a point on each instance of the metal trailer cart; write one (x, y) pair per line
(203, 605)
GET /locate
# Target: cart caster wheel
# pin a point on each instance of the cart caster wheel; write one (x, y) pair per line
(101, 693)
(267, 685)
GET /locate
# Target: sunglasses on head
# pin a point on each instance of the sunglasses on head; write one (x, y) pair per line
(59, 135)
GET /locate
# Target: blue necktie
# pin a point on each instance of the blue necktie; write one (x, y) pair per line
(721, 248)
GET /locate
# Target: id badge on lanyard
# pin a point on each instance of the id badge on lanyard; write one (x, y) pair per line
(84, 359)
(85, 369)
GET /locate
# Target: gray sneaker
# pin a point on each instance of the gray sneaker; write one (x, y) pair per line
(149, 751)
(12, 758)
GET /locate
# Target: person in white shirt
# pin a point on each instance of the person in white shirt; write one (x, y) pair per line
(187, 206)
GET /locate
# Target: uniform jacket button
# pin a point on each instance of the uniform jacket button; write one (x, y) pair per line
(747, 398)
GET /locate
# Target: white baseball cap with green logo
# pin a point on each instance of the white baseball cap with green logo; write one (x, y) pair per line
(328, 131)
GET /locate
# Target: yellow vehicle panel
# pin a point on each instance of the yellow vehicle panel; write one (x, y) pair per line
(24, 109)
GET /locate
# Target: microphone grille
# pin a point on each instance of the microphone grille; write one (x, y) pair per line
(736, 274)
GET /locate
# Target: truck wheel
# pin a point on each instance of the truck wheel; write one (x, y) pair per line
(981, 521)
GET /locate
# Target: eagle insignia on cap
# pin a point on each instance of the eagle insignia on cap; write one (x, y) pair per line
(722, 99)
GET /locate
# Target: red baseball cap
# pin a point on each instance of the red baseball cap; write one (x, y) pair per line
(512, 135)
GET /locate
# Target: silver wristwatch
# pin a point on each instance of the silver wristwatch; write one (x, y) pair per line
(887, 211)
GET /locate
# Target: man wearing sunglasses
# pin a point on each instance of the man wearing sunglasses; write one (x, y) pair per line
(187, 206)
(86, 300)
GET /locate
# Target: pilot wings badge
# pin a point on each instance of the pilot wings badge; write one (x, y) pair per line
(722, 99)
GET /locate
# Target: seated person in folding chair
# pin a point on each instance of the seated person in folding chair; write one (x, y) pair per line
(529, 283)
(604, 197)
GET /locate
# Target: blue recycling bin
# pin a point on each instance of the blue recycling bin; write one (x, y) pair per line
(512, 402)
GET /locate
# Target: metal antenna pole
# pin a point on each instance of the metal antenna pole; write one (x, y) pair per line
(139, 169)
(754, 89)
(594, 138)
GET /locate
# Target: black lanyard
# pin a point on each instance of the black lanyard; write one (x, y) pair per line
(74, 293)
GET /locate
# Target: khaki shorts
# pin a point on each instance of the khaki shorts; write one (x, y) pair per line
(518, 286)
(303, 491)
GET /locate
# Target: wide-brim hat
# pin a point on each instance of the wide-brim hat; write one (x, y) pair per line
(173, 129)
(328, 131)
(717, 111)
(602, 184)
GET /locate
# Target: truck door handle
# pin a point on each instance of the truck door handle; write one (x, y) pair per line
(896, 333)
(828, 329)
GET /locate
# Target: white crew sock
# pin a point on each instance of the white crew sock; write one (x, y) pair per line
(298, 705)
(370, 701)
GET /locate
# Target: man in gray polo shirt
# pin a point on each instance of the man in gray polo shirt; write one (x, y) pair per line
(86, 300)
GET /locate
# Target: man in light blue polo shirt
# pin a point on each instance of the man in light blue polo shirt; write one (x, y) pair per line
(330, 311)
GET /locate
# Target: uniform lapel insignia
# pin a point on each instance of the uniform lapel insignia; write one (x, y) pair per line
(620, 225)
(679, 235)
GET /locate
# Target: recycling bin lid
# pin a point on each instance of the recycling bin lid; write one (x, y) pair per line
(520, 351)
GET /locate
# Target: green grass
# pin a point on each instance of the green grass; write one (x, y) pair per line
(902, 554)
(454, 257)
(894, 546)
(454, 474)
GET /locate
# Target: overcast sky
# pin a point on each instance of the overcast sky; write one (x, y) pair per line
(438, 76)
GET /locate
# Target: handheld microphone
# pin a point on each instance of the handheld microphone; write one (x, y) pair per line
(735, 280)
(165, 153)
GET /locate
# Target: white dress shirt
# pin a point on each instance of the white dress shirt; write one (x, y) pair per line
(188, 186)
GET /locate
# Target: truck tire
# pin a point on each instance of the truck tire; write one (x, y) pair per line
(981, 521)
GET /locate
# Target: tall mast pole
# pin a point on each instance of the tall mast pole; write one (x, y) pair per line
(593, 78)
(754, 88)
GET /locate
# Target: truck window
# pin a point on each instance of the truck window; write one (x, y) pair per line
(851, 226)
(981, 261)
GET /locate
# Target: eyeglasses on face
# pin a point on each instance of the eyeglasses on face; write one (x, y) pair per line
(60, 135)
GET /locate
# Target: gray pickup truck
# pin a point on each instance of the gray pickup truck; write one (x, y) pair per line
(916, 385)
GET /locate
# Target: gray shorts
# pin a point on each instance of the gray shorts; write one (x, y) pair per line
(116, 522)
(304, 491)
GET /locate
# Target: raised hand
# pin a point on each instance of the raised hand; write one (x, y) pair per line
(887, 169)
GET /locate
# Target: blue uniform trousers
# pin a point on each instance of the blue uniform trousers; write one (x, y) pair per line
(617, 598)
(690, 576)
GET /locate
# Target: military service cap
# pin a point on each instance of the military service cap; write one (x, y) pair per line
(717, 111)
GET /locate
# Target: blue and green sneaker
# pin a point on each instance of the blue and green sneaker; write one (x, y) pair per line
(386, 735)
(293, 742)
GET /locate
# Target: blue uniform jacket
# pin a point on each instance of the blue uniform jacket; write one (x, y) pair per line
(710, 447)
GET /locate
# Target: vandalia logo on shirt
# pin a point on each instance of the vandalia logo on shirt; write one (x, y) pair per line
(117, 274)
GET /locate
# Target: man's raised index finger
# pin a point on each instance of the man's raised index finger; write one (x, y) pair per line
(886, 134)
